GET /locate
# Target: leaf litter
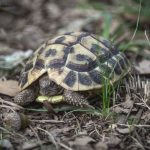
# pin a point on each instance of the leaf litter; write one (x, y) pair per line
(9, 87)
(128, 125)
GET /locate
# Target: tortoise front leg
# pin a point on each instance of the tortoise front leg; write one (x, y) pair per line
(25, 97)
(70, 97)
(76, 99)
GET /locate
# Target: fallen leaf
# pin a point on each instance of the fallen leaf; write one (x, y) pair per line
(146, 116)
(113, 141)
(101, 146)
(128, 103)
(9, 87)
(125, 130)
(119, 109)
(121, 118)
(82, 147)
(56, 132)
(143, 67)
(84, 140)
(6, 144)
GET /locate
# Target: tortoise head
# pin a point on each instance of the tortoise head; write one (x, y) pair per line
(49, 87)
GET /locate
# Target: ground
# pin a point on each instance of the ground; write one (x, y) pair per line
(25, 25)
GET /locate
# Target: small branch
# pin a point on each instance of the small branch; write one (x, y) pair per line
(17, 107)
(133, 125)
(52, 139)
(48, 121)
(65, 146)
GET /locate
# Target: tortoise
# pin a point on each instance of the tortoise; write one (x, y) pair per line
(71, 65)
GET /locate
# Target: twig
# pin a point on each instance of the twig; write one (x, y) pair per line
(137, 23)
(48, 121)
(50, 137)
(12, 133)
(143, 105)
(122, 38)
(9, 107)
(141, 146)
(138, 138)
(135, 125)
(141, 99)
(139, 114)
(65, 146)
(147, 37)
(34, 145)
(129, 111)
(39, 141)
(11, 104)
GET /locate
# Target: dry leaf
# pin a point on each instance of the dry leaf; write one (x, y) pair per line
(143, 67)
(9, 87)
(101, 146)
(113, 140)
(84, 140)
(128, 103)
(82, 147)
(125, 130)
(119, 109)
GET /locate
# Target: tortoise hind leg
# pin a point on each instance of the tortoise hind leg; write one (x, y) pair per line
(76, 99)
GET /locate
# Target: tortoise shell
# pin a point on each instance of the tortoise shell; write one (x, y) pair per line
(77, 61)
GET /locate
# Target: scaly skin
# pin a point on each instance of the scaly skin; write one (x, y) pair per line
(25, 97)
(50, 88)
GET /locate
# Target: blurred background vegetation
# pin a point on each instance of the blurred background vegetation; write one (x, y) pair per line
(26, 24)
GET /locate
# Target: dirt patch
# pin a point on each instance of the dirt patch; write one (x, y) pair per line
(24, 27)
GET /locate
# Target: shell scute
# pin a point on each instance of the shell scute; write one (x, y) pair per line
(70, 79)
(84, 79)
(76, 61)
(96, 76)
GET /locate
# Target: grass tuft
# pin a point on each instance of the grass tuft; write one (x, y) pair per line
(106, 93)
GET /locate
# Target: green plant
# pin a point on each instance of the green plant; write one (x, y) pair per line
(106, 25)
(106, 93)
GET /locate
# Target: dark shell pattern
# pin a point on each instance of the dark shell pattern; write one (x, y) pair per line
(77, 61)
